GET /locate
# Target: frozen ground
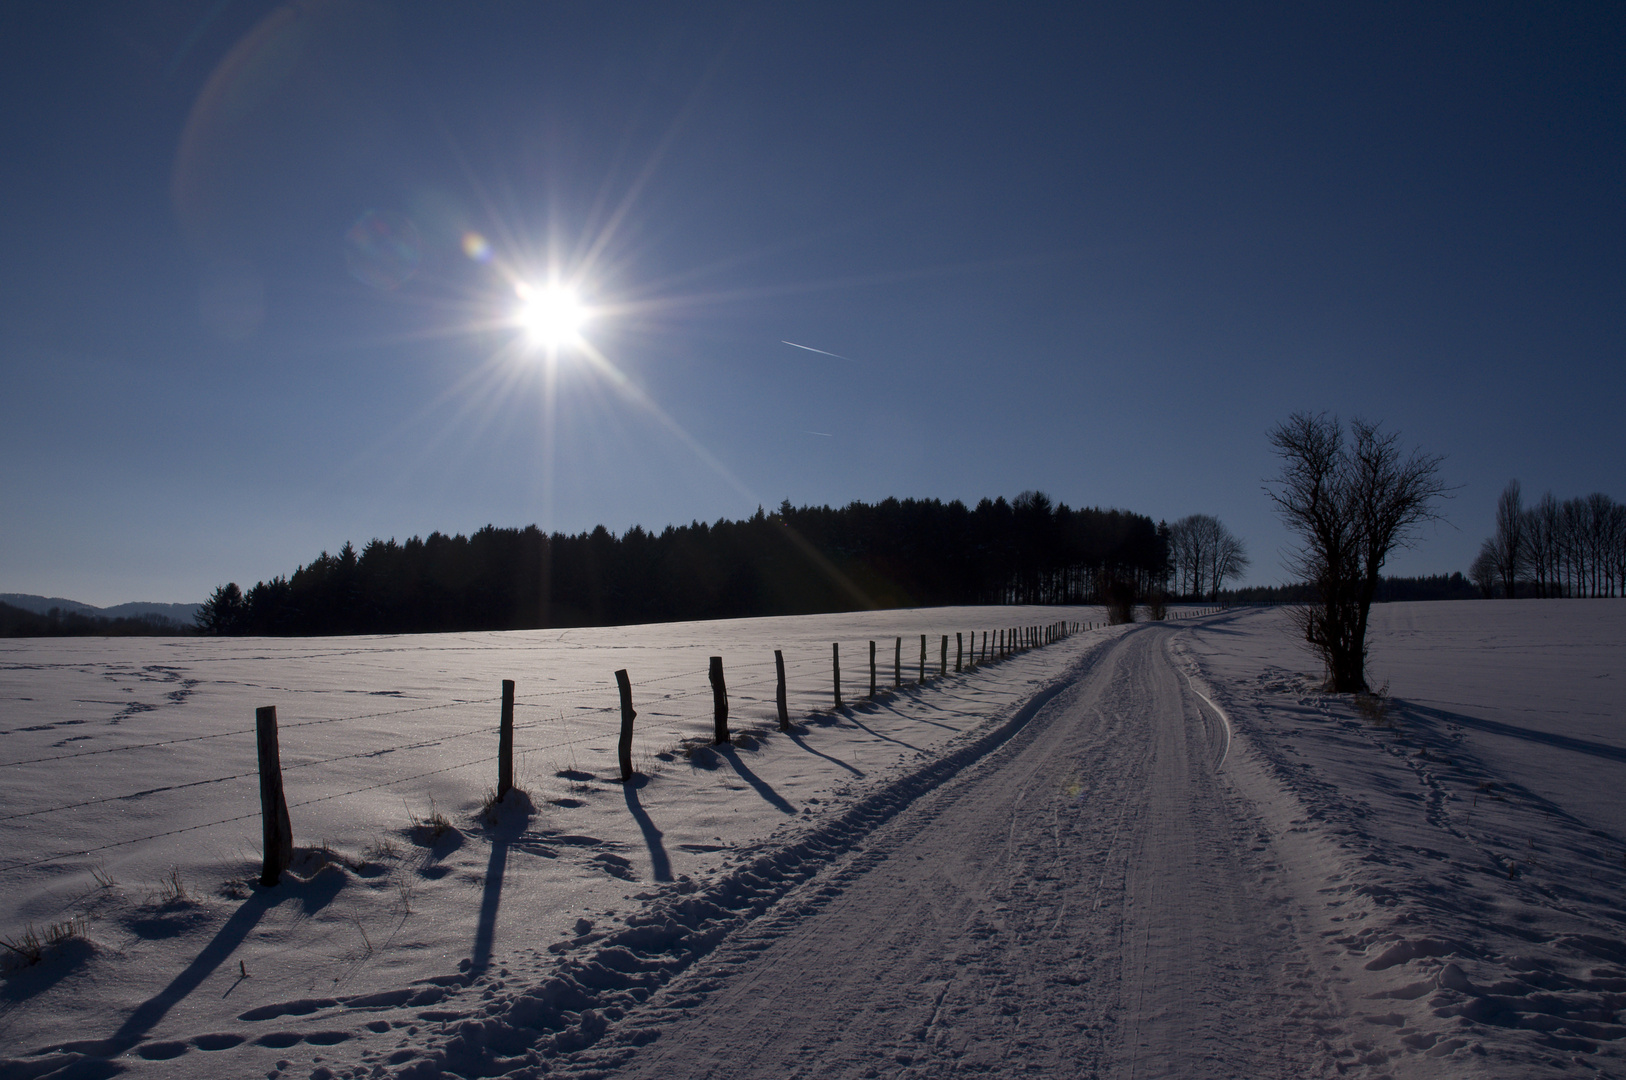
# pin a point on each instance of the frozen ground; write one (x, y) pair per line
(1140, 852)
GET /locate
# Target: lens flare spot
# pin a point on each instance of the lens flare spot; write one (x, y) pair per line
(383, 249)
(476, 247)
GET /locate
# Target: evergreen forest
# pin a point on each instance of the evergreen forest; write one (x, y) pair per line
(794, 561)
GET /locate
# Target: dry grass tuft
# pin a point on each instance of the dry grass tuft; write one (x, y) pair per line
(1374, 706)
(30, 949)
(433, 826)
(171, 889)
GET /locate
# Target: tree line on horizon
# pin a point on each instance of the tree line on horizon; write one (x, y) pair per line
(57, 622)
(1390, 590)
(1574, 548)
(793, 561)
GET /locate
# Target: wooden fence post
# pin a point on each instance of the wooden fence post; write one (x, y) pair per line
(985, 646)
(872, 671)
(779, 695)
(923, 659)
(835, 663)
(897, 663)
(624, 747)
(959, 651)
(719, 697)
(942, 658)
(279, 834)
(505, 741)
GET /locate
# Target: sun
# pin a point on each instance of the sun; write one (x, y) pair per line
(551, 315)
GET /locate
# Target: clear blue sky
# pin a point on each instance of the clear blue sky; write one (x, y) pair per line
(1094, 250)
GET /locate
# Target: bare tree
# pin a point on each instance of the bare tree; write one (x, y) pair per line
(1617, 547)
(1509, 540)
(1351, 505)
(1600, 521)
(1229, 561)
(1572, 532)
(1182, 544)
(1205, 555)
(1485, 572)
(1539, 536)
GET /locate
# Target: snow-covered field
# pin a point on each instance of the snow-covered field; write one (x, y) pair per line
(132, 760)
(1140, 850)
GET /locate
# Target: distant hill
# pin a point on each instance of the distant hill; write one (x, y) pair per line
(15, 622)
(181, 614)
(39, 605)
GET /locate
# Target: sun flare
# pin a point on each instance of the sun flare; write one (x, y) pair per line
(552, 315)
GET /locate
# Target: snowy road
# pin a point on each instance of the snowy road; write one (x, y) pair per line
(1091, 899)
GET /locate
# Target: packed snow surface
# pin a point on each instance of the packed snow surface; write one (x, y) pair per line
(1139, 851)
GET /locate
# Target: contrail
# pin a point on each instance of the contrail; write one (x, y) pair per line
(821, 352)
(826, 434)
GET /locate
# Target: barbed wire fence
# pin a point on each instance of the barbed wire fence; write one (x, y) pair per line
(670, 718)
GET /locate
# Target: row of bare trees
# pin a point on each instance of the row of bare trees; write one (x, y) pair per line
(1572, 548)
(1203, 556)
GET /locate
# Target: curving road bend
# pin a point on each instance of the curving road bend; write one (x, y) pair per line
(1093, 899)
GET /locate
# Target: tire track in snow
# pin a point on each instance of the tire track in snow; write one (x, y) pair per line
(1080, 902)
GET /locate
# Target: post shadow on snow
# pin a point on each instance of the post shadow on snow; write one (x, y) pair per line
(797, 739)
(917, 719)
(860, 724)
(314, 894)
(660, 865)
(769, 795)
(511, 817)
